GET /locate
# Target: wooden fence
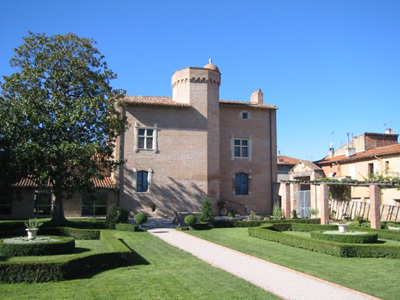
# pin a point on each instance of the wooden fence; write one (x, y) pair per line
(353, 209)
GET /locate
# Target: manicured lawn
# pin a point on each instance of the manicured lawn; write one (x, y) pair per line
(375, 276)
(163, 272)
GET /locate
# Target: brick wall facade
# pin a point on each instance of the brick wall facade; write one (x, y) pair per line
(193, 157)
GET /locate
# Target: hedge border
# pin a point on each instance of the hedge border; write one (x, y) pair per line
(117, 255)
(365, 238)
(270, 233)
(63, 245)
(255, 223)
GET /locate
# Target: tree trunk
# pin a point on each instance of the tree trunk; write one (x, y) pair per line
(57, 209)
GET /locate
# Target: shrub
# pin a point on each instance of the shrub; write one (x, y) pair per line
(68, 267)
(126, 227)
(277, 212)
(63, 245)
(190, 220)
(206, 214)
(253, 216)
(140, 218)
(365, 238)
(232, 213)
(117, 215)
(270, 233)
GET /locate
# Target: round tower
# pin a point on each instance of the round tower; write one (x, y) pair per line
(199, 87)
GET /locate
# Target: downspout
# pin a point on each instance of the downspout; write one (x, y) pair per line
(270, 159)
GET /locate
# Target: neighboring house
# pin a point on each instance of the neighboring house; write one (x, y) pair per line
(183, 148)
(29, 201)
(285, 165)
(369, 156)
(304, 196)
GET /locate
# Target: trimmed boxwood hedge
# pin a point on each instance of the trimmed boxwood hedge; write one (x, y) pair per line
(365, 238)
(62, 246)
(69, 267)
(255, 223)
(269, 232)
(127, 227)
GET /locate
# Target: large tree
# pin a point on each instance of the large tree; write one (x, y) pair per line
(59, 115)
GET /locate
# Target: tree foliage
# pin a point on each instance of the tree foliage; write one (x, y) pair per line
(206, 214)
(59, 115)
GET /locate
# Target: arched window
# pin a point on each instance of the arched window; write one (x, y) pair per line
(142, 183)
(241, 184)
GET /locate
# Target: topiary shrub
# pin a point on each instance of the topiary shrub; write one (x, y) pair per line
(140, 218)
(206, 214)
(190, 220)
(117, 215)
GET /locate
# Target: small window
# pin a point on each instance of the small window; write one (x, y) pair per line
(241, 184)
(371, 171)
(241, 148)
(94, 204)
(244, 115)
(142, 184)
(387, 166)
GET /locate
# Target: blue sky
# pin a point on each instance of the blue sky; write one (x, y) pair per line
(331, 67)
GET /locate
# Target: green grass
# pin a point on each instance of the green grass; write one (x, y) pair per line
(163, 272)
(374, 276)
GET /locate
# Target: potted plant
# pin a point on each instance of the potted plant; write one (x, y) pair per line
(32, 226)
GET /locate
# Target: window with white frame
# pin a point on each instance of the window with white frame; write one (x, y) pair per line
(143, 180)
(241, 148)
(146, 138)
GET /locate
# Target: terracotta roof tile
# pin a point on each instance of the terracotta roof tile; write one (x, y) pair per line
(153, 100)
(381, 151)
(105, 183)
(286, 160)
(167, 101)
(245, 104)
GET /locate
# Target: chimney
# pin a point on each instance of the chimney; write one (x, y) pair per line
(389, 131)
(257, 97)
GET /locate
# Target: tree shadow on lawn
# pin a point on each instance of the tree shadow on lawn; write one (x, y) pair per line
(134, 259)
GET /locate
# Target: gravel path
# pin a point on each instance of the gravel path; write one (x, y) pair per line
(281, 281)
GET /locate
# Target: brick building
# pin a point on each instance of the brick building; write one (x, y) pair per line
(178, 150)
(183, 148)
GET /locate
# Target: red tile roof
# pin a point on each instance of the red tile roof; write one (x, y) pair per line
(381, 151)
(167, 101)
(246, 104)
(153, 100)
(286, 160)
(105, 183)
